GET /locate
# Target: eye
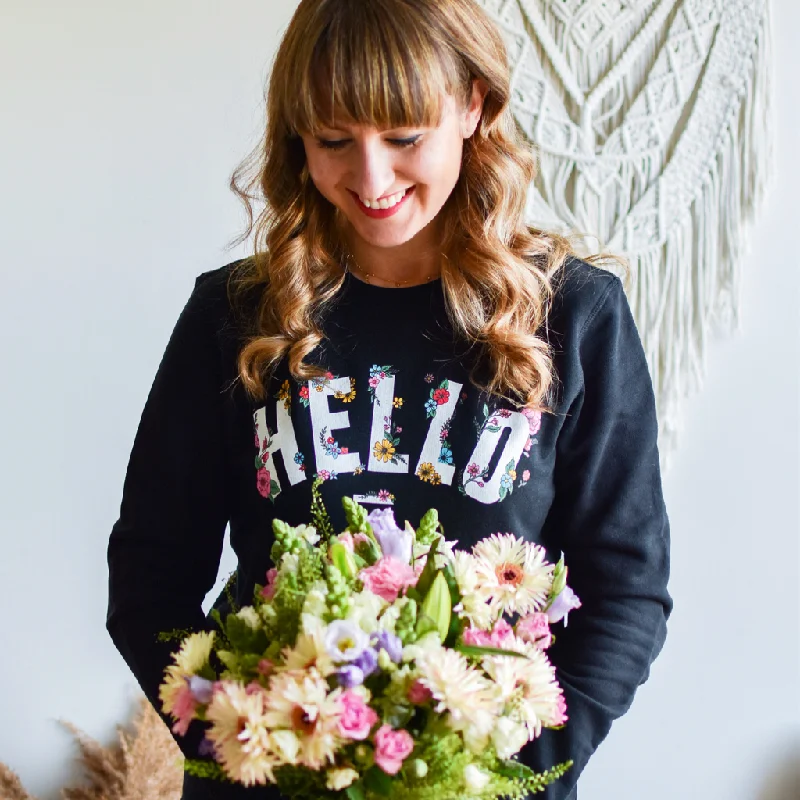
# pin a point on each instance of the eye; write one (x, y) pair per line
(338, 144)
(332, 144)
(406, 142)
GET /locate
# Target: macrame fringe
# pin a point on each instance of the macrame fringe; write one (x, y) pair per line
(689, 290)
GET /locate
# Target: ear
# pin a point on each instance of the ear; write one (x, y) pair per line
(471, 115)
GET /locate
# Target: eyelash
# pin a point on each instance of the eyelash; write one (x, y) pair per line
(339, 144)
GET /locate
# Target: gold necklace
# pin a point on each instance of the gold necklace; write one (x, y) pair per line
(368, 275)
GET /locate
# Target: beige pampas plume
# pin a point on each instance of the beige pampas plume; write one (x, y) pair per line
(146, 764)
(11, 787)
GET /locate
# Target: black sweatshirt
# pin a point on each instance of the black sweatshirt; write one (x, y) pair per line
(399, 423)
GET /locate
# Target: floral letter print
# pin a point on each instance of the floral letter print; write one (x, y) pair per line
(476, 482)
(330, 458)
(269, 443)
(383, 456)
(436, 456)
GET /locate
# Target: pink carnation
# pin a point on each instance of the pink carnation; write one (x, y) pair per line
(388, 577)
(561, 711)
(535, 629)
(183, 708)
(265, 667)
(357, 718)
(269, 590)
(392, 748)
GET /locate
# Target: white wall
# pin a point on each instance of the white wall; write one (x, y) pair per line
(119, 126)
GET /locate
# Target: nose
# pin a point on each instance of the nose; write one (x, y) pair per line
(373, 170)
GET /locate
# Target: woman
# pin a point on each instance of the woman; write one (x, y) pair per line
(401, 333)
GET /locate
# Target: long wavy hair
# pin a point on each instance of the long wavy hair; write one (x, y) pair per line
(390, 63)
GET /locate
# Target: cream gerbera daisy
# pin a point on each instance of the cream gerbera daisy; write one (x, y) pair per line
(246, 748)
(513, 572)
(528, 687)
(474, 605)
(301, 701)
(458, 688)
(309, 650)
(191, 658)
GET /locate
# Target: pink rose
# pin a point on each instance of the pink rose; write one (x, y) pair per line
(346, 539)
(419, 693)
(263, 480)
(388, 577)
(269, 590)
(360, 538)
(526, 475)
(373, 382)
(357, 718)
(535, 629)
(392, 748)
(476, 637)
(498, 637)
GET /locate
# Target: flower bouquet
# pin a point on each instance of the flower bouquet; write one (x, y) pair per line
(379, 662)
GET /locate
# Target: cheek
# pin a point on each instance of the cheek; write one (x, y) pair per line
(440, 166)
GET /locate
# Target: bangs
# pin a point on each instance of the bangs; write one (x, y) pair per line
(373, 64)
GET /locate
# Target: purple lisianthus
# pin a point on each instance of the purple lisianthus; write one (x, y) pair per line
(345, 640)
(393, 541)
(201, 689)
(562, 604)
(350, 676)
(206, 748)
(367, 662)
(384, 640)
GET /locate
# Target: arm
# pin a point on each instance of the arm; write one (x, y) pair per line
(164, 550)
(609, 518)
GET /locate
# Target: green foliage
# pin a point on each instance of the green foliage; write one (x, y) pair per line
(356, 515)
(320, 518)
(477, 650)
(174, 635)
(338, 592)
(378, 782)
(428, 526)
(428, 574)
(228, 589)
(205, 769)
(244, 638)
(355, 791)
(406, 622)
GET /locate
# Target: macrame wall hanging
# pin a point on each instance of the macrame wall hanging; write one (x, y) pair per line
(651, 119)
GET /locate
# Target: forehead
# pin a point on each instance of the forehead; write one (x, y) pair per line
(341, 122)
(372, 76)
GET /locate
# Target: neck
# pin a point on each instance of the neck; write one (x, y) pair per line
(406, 265)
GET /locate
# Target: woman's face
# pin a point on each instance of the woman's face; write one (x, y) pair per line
(390, 184)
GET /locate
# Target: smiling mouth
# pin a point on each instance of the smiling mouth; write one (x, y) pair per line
(385, 207)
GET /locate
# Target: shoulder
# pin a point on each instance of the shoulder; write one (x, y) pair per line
(581, 290)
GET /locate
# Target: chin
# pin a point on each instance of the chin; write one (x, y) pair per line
(388, 238)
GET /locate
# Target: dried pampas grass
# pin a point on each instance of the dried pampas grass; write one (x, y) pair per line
(145, 764)
(11, 787)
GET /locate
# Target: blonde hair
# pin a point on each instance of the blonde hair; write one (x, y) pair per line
(390, 63)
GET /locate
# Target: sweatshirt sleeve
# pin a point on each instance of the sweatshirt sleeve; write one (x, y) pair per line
(165, 547)
(608, 517)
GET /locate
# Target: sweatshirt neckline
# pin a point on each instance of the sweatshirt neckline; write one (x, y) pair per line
(393, 293)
